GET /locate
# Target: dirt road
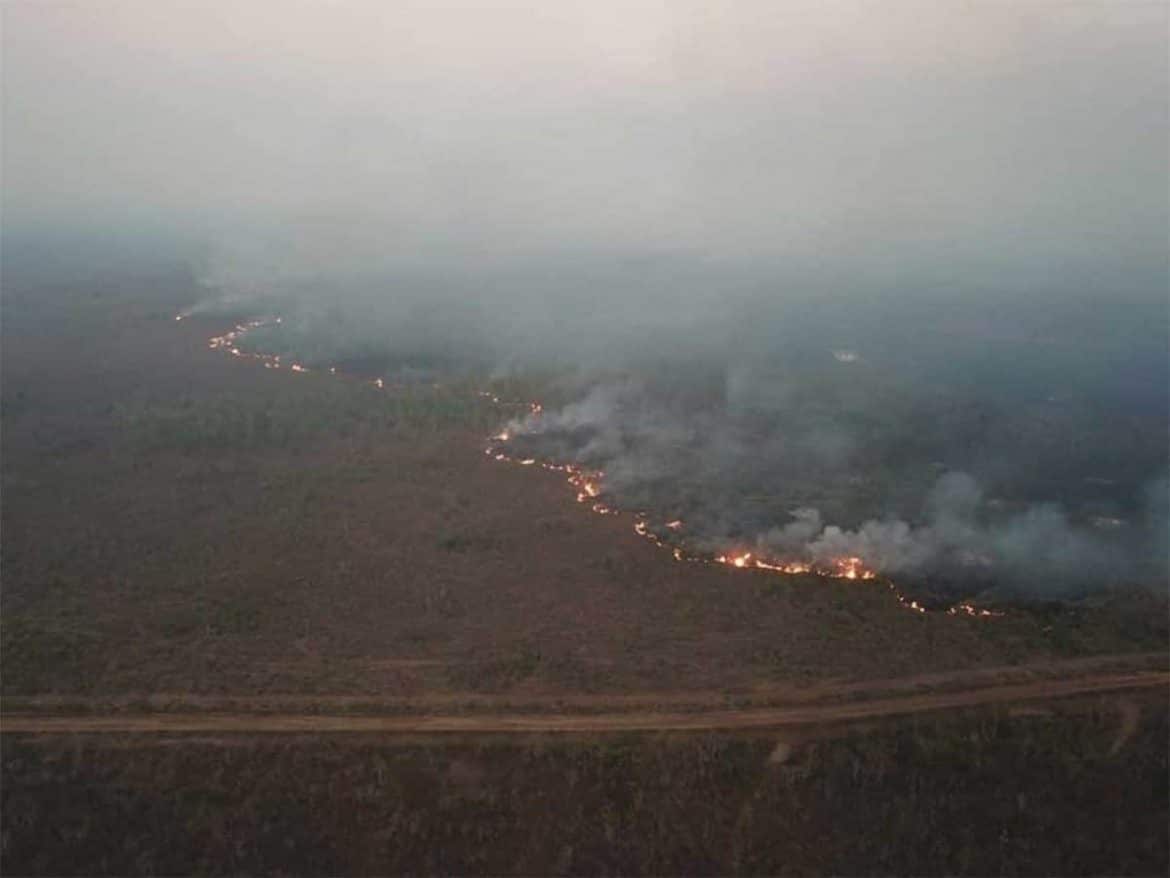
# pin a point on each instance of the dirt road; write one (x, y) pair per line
(699, 719)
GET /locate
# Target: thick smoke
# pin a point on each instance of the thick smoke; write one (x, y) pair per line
(1038, 543)
(739, 483)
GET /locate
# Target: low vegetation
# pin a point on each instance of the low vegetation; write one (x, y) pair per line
(978, 794)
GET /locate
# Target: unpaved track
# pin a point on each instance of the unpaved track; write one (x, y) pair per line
(630, 721)
(770, 694)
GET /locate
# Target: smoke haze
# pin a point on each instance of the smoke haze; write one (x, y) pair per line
(885, 280)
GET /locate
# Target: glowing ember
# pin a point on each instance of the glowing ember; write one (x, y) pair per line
(792, 568)
(851, 568)
(968, 609)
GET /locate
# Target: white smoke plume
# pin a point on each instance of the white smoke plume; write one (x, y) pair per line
(958, 533)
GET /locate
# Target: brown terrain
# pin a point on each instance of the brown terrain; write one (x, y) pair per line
(194, 545)
(177, 520)
(701, 717)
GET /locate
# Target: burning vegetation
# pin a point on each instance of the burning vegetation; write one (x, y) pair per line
(588, 486)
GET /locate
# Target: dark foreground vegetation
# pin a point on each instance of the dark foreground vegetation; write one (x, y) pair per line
(1082, 793)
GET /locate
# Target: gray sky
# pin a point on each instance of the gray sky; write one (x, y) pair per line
(1006, 136)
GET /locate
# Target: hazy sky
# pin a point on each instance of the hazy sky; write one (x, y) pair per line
(970, 196)
(1021, 137)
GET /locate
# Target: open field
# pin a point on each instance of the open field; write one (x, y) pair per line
(199, 553)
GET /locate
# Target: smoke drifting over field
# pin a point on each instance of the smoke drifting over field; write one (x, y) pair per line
(791, 487)
(884, 280)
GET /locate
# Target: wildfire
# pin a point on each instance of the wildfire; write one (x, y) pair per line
(851, 568)
(841, 568)
(588, 485)
(228, 342)
(792, 568)
(967, 609)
